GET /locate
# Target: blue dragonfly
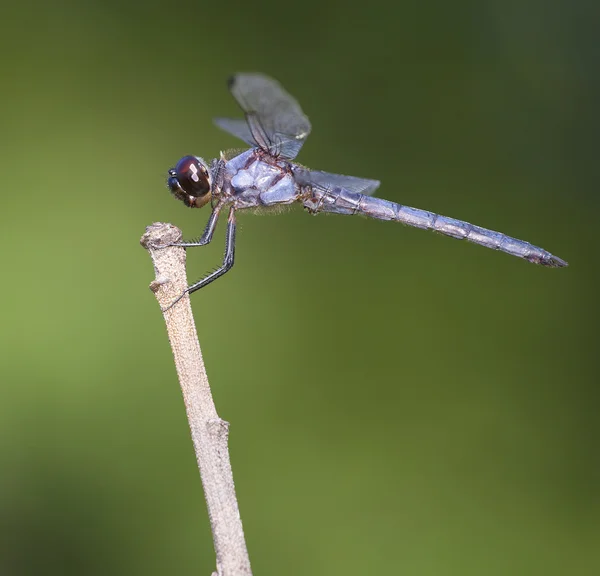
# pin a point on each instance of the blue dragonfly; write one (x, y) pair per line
(266, 176)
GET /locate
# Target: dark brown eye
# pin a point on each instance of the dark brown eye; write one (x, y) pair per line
(191, 176)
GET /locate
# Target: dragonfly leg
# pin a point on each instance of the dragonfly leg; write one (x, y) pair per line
(206, 235)
(227, 260)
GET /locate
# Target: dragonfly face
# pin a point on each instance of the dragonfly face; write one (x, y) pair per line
(190, 181)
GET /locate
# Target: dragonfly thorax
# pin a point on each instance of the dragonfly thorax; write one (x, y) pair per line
(256, 180)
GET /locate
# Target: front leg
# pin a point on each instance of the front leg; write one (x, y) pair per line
(208, 231)
(227, 260)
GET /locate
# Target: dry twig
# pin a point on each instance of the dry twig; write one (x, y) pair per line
(209, 432)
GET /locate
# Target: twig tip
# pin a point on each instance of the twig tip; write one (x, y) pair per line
(160, 234)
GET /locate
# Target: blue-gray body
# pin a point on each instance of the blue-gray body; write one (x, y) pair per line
(254, 179)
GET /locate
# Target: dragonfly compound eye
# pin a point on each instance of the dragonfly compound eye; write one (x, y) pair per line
(191, 175)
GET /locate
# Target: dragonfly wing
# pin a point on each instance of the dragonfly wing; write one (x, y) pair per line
(238, 128)
(327, 181)
(274, 118)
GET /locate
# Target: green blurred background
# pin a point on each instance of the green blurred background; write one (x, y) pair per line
(401, 403)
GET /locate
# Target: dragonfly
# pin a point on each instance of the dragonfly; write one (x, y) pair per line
(266, 176)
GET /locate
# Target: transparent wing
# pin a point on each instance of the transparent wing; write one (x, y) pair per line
(326, 181)
(239, 128)
(275, 121)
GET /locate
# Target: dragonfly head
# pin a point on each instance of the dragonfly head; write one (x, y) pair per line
(190, 181)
